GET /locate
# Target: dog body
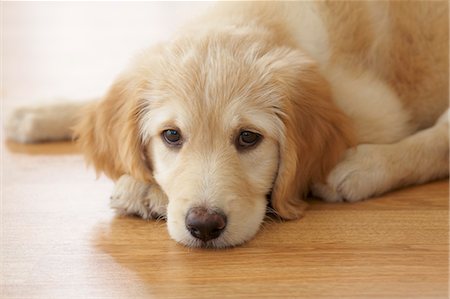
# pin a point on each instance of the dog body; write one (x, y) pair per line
(258, 100)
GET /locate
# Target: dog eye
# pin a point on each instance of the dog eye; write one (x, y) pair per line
(248, 139)
(172, 137)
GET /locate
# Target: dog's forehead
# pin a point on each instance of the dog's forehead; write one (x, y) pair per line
(214, 88)
(219, 114)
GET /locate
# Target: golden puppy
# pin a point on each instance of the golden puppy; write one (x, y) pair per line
(272, 100)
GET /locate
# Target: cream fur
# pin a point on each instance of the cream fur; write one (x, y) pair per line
(133, 197)
(347, 97)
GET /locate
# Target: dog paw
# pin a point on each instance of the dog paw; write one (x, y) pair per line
(22, 125)
(41, 123)
(133, 197)
(364, 172)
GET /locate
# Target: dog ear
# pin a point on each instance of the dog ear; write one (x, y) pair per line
(108, 131)
(316, 133)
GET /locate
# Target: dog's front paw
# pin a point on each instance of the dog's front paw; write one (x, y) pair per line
(365, 172)
(133, 197)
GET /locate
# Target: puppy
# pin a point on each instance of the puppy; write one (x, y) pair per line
(259, 103)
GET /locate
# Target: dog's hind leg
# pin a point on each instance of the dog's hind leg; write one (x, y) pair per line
(372, 169)
(50, 122)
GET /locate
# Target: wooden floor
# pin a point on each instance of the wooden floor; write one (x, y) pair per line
(61, 240)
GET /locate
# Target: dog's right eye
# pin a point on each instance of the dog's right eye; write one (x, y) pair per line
(172, 137)
(247, 140)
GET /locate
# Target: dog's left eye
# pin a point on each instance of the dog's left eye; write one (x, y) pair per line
(247, 139)
(172, 137)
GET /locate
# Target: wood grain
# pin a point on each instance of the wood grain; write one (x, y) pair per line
(61, 240)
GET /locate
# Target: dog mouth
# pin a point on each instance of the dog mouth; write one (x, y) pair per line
(210, 244)
(207, 226)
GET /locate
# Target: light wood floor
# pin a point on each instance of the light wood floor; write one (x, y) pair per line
(61, 240)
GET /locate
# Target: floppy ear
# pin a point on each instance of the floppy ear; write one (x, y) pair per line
(108, 132)
(316, 133)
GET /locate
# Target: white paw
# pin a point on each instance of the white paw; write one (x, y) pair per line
(364, 172)
(132, 197)
(22, 125)
(41, 123)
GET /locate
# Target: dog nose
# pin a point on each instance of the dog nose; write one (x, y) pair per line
(205, 225)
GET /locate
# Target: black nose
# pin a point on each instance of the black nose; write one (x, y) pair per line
(204, 224)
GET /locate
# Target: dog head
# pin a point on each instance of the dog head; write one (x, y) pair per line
(220, 122)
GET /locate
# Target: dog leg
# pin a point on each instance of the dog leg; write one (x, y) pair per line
(43, 123)
(133, 197)
(372, 169)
